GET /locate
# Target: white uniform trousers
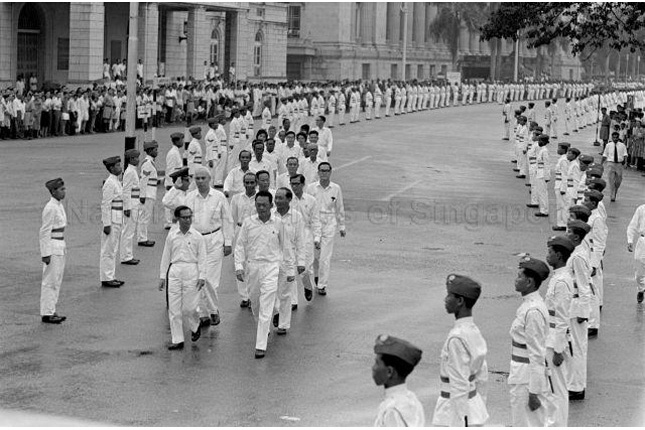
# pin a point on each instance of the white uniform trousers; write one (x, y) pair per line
(403, 101)
(522, 163)
(554, 129)
(388, 105)
(263, 286)
(109, 248)
(242, 286)
(577, 371)
(168, 215)
(341, 116)
(566, 125)
(219, 170)
(145, 216)
(507, 130)
(323, 259)
(532, 181)
(50, 286)
(397, 106)
(284, 298)
(640, 274)
(183, 298)
(557, 408)
(377, 108)
(368, 112)
(353, 113)
(432, 98)
(127, 234)
(330, 118)
(209, 300)
(521, 415)
(561, 202)
(596, 299)
(542, 195)
(305, 278)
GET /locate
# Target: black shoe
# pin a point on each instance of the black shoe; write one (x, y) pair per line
(316, 280)
(215, 319)
(322, 291)
(532, 206)
(528, 185)
(174, 346)
(147, 243)
(204, 321)
(60, 316)
(540, 214)
(276, 320)
(565, 134)
(555, 228)
(639, 297)
(577, 395)
(132, 262)
(308, 294)
(167, 227)
(294, 307)
(516, 170)
(52, 319)
(111, 284)
(281, 331)
(592, 332)
(600, 308)
(514, 161)
(196, 335)
(520, 176)
(245, 303)
(259, 353)
(120, 282)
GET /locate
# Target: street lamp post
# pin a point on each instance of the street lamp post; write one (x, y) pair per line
(131, 94)
(404, 11)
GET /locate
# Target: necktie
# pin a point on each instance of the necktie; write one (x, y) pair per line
(616, 152)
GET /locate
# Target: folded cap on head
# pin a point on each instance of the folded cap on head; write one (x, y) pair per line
(586, 159)
(580, 209)
(562, 241)
(111, 161)
(177, 136)
(132, 153)
(595, 195)
(565, 145)
(575, 151)
(537, 266)
(194, 130)
(463, 286)
(181, 173)
(579, 225)
(54, 184)
(396, 347)
(150, 145)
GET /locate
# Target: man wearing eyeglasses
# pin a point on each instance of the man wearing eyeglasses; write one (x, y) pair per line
(329, 198)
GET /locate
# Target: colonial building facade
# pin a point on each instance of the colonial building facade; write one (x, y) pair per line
(66, 43)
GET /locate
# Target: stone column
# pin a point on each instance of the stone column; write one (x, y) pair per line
(7, 65)
(241, 44)
(419, 17)
(368, 20)
(394, 21)
(86, 24)
(148, 38)
(380, 22)
(464, 39)
(198, 42)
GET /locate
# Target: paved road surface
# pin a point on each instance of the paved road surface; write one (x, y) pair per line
(427, 194)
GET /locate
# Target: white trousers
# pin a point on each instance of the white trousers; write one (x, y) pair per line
(388, 105)
(219, 169)
(554, 129)
(377, 108)
(557, 408)
(532, 181)
(330, 119)
(577, 374)
(263, 286)
(284, 298)
(397, 106)
(341, 116)
(521, 415)
(50, 286)
(127, 234)
(109, 248)
(209, 300)
(507, 130)
(242, 286)
(168, 216)
(640, 275)
(596, 299)
(522, 162)
(183, 298)
(368, 112)
(561, 202)
(542, 195)
(145, 216)
(326, 249)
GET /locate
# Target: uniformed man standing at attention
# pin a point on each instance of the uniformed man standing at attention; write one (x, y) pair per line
(560, 187)
(395, 360)
(463, 369)
(131, 195)
(148, 186)
(528, 379)
(636, 233)
(194, 150)
(174, 162)
(52, 251)
(112, 219)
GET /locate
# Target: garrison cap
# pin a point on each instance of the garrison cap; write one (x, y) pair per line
(396, 347)
(195, 129)
(562, 241)
(577, 209)
(463, 286)
(213, 120)
(543, 138)
(565, 145)
(181, 173)
(600, 182)
(150, 145)
(580, 225)
(595, 195)
(575, 151)
(54, 184)
(132, 153)
(586, 159)
(535, 265)
(595, 170)
(111, 161)
(177, 136)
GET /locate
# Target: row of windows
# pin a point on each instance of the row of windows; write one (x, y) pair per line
(257, 51)
(394, 71)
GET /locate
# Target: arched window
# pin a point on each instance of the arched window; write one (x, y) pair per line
(215, 47)
(257, 54)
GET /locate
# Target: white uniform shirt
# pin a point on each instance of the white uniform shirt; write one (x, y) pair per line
(52, 229)
(112, 202)
(183, 248)
(400, 408)
(329, 201)
(599, 235)
(212, 145)
(310, 170)
(294, 227)
(174, 198)
(308, 208)
(325, 140)
(263, 242)
(234, 182)
(174, 162)
(242, 206)
(194, 155)
(148, 183)
(131, 190)
(211, 213)
(636, 232)
(558, 302)
(580, 269)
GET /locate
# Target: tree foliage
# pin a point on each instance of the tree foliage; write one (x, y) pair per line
(586, 26)
(450, 16)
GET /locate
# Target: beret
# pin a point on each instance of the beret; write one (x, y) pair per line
(181, 173)
(195, 129)
(600, 182)
(132, 153)
(396, 347)
(150, 145)
(463, 286)
(111, 161)
(562, 241)
(54, 184)
(594, 195)
(594, 171)
(586, 159)
(580, 209)
(564, 144)
(579, 224)
(575, 151)
(535, 265)
(177, 136)
(213, 120)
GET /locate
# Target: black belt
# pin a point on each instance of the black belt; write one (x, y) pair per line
(211, 232)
